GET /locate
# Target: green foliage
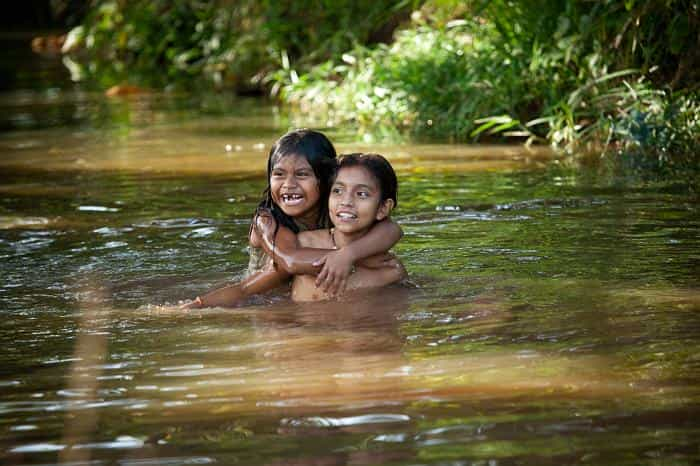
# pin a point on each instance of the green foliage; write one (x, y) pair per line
(229, 43)
(641, 34)
(662, 135)
(438, 81)
(431, 81)
(580, 75)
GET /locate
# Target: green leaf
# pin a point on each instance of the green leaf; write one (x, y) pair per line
(493, 123)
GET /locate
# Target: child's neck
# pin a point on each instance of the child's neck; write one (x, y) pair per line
(341, 239)
(310, 220)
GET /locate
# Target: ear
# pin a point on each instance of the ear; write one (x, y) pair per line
(385, 209)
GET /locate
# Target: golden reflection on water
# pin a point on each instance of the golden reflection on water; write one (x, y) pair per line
(349, 363)
(340, 355)
(90, 350)
(185, 150)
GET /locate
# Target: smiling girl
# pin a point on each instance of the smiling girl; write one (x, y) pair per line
(300, 171)
(363, 193)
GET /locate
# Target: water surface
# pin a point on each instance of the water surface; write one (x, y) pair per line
(554, 317)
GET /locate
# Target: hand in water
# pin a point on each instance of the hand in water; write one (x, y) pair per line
(194, 304)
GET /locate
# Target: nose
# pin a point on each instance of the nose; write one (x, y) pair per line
(289, 181)
(346, 199)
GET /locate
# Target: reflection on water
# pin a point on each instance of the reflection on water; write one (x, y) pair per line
(554, 318)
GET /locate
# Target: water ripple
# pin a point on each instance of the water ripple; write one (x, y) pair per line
(318, 421)
(97, 208)
(121, 442)
(37, 448)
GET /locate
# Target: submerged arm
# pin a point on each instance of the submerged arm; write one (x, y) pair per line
(232, 295)
(377, 277)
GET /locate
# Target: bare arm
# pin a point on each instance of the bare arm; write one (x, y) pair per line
(377, 277)
(284, 247)
(382, 237)
(334, 265)
(338, 264)
(232, 295)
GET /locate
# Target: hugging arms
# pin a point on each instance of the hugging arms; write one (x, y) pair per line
(369, 255)
(301, 169)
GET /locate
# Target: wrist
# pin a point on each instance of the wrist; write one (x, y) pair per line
(350, 254)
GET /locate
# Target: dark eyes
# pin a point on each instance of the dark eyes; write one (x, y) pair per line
(299, 174)
(361, 194)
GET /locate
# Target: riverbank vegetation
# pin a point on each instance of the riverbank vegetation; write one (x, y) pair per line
(606, 77)
(227, 44)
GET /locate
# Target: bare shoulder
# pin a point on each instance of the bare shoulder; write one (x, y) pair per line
(314, 239)
(254, 238)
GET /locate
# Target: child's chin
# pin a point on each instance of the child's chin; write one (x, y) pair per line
(292, 211)
(349, 228)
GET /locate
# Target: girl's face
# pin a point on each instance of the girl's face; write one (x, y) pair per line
(355, 201)
(295, 189)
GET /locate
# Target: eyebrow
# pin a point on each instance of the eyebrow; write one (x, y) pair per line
(282, 169)
(365, 186)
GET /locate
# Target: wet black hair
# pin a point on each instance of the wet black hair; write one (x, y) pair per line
(320, 153)
(379, 167)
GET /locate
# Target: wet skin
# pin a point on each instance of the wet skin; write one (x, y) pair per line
(294, 187)
(355, 204)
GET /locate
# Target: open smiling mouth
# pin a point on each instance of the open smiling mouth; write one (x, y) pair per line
(292, 198)
(346, 216)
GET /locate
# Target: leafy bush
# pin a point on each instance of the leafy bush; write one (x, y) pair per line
(577, 74)
(540, 71)
(438, 81)
(226, 42)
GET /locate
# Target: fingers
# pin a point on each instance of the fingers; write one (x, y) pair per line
(327, 281)
(322, 276)
(187, 306)
(263, 211)
(264, 220)
(334, 284)
(342, 285)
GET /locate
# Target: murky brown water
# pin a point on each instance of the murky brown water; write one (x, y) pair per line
(554, 321)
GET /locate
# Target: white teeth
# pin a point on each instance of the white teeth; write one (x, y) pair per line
(291, 197)
(346, 215)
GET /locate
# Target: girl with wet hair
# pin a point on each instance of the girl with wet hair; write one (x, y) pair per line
(363, 193)
(300, 170)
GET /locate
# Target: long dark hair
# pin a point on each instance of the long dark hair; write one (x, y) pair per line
(379, 167)
(321, 155)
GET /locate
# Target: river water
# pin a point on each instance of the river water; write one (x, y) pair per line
(553, 315)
